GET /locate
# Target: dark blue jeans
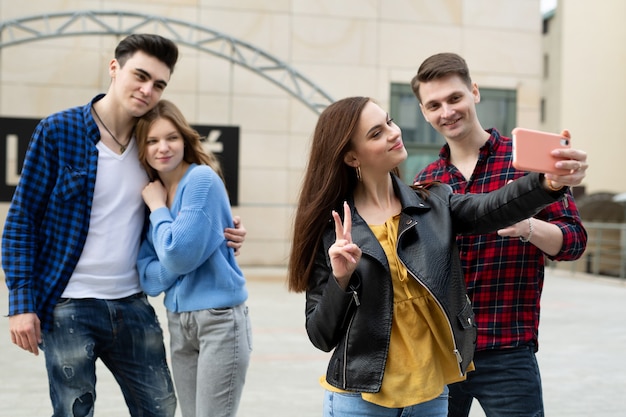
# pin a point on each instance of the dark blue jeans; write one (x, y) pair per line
(125, 334)
(506, 382)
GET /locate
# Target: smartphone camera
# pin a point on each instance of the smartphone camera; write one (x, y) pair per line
(564, 141)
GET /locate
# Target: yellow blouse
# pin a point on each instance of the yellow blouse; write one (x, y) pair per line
(421, 360)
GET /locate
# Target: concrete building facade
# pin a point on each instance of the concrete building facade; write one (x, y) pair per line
(584, 82)
(351, 47)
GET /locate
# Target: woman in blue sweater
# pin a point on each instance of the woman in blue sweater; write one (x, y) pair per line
(186, 256)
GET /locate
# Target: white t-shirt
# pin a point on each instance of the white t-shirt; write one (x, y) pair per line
(107, 266)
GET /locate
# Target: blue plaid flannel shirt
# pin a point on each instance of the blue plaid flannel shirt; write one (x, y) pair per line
(48, 219)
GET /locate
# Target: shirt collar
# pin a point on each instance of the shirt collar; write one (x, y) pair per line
(92, 128)
(488, 148)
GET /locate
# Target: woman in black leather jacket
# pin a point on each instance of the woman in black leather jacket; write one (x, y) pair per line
(384, 286)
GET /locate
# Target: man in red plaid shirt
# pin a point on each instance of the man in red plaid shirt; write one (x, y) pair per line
(504, 271)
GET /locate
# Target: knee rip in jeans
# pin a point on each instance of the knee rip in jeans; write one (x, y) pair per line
(82, 405)
(68, 371)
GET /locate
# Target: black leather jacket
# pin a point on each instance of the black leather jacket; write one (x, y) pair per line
(357, 323)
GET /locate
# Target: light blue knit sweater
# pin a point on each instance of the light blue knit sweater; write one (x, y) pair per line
(185, 253)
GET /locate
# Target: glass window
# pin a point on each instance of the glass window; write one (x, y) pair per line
(497, 108)
(420, 139)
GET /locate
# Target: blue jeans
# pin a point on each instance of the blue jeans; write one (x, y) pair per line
(124, 334)
(352, 405)
(506, 383)
(210, 356)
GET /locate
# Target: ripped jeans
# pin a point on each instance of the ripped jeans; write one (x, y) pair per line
(125, 334)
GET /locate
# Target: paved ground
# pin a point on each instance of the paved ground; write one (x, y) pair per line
(582, 342)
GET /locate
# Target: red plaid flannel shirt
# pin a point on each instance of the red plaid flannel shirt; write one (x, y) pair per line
(504, 276)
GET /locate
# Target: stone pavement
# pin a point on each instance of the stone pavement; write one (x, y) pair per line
(582, 340)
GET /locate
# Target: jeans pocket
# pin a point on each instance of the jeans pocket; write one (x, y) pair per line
(63, 302)
(248, 327)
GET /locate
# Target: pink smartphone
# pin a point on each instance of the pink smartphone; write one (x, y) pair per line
(531, 150)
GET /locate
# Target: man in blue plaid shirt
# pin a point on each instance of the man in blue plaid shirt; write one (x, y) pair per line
(71, 237)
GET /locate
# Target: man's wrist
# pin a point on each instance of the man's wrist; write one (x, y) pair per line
(530, 230)
(550, 185)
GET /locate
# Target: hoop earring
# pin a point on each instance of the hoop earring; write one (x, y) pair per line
(358, 173)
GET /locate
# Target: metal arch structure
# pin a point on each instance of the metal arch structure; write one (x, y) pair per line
(55, 25)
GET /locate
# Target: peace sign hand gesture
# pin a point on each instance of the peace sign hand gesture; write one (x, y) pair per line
(344, 255)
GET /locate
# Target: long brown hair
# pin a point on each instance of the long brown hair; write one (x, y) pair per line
(194, 151)
(328, 181)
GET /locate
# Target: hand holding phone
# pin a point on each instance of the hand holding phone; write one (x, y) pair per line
(532, 150)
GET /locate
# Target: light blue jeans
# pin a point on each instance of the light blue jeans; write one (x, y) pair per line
(210, 355)
(352, 405)
(125, 334)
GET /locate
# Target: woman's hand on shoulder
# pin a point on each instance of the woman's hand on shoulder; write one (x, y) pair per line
(154, 195)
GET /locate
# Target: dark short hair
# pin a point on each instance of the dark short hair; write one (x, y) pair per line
(439, 66)
(157, 46)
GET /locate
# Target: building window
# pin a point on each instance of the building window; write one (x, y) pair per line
(497, 108)
(542, 110)
(546, 66)
(420, 139)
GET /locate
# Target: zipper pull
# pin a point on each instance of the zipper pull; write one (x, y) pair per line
(458, 356)
(356, 298)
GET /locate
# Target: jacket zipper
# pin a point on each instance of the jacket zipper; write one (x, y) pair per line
(455, 349)
(357, 302)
